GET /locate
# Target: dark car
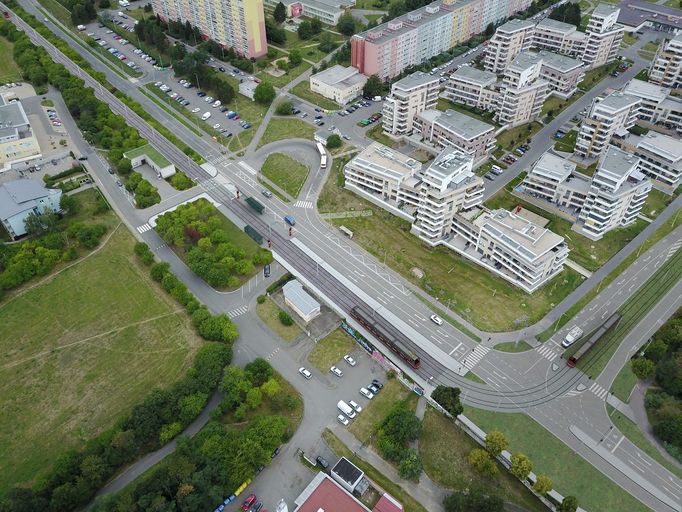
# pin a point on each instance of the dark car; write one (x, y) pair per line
(257, 507)
(373, 389)
(82, 158)
(318, 117)
(221, 69)
(276, 452)
(224, 109)
(322, 462)
(377, 383)
(201, 94)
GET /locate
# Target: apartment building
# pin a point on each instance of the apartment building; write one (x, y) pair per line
(608, 115)
(327, 11)
(472, 87)
(557, 36)
(523, 91)
(238, 24)
(452, 128)
(604, 35)
(509, 40)
(555, 180)
(561, 72)
(338, 83)
(657, 106)
(666, 68)
(616, 196)
(386, 50)
(409, 96)
(660, 157)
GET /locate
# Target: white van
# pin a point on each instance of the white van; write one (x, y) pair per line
(573, 335)
(205, 116)
(346, 409)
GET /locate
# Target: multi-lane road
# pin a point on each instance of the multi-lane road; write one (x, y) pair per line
(347, 276)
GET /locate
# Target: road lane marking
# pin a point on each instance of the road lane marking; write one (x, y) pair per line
(460, 344)
(617, 444)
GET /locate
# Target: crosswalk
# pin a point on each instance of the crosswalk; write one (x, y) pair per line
(599, 391)
(144, 228)
(673, 249)
(303, 204)
(239, 311)
(546, 352)
(475, 357)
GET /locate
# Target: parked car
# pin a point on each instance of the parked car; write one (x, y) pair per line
(373, 389)
(266, 193)
(322, 462)
(377, 384)
(342, 419)
(336, 371)
(305, 373)
(349, 360)
(355, 406)
(249, 502)
(366, 393)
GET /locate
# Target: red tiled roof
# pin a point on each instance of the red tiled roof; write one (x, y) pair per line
(330, 497)
(387, 503)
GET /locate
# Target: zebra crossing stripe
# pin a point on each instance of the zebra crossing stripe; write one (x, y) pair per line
(303, 204)
(239, 311)
(475, 357)
(599, 391)
(143, 228)
(547, 353)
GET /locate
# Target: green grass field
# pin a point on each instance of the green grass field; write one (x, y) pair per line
(596, 75)
(9, 71)
(331, 349)
(570, 473)
(285, 172)
(624, 383)
(377, 133)
(656, 202)
(79, 351)
(567, 142)
(280, 128)
(444, 448)
(303, 91)
(513, 137)
(628, 40)
(268, 312)
(309, 47)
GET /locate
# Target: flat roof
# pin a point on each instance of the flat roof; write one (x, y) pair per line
(605, 9)
(636, 12)
(478, 76)
(553, 166)
(416, 79)
(387, 503)
(663, 145)
(515, 25)
(647, 90)
(559, 62)
(149, 152)
(12, 115)
(617, 162)
(524, 60)
(347, 471)
(464, 126)
(618, 100)
(556, 26)
(323, 493)
(386, 162)
(339, 75)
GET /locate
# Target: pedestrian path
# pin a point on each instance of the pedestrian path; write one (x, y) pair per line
(239, 311)
(475, 357)
(303, 204)
(599, 391)
(144, 228)
(547, 352)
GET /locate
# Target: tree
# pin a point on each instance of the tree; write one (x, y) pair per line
(264, 93)
(542, 485)
(234, 386)
(410, 466)
(473, 500)
(285, 318)
(656, 350)
(69, 204)
(304, 31)
(669, 375)
(481, 461)
(334, 141)
(373, 87)
(295, 57)
(570, 504)
(104, 4)
(274, 34)
(643, 367)
(258, 371)
(327, 43)
(401, 425)
(448, 399)
(254, 397)
(315, 26)
(496, 442)
(521, 466)
(280, 13)
(38, 224)
(271, 388)
(490, 30)
(284, 108)
(346, 24)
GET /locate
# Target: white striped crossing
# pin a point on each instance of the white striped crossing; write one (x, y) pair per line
(673, 249)
(143, 228)
(473, 358)
(599, 391)
(248, 168)
(547, 352)
(239, 311)
(303, 204)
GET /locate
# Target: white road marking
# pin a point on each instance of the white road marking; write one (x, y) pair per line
(617, 444)
(143, 228)
(460, 344)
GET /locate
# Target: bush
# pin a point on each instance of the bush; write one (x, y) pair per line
(284, 108)
(285, 318)
(261, 299)
(334, 141)
(143, 252)
(180, 181)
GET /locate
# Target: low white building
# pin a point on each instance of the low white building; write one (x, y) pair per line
(20, 198)
(17, 141)
(338, 83)
(147, 154)
(300, 301)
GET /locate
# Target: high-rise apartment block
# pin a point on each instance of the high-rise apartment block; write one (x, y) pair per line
(509, 40)
(473, 87)
(660, 157)
(666, 69)
(409, 96)
(523, 91)
(658, 106)
(608, 115)
(563, 73)
(386, 50)
(557, 36)
(604, 35)
(238, 24)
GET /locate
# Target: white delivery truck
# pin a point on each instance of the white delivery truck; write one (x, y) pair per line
(346, 409)
(573, 335)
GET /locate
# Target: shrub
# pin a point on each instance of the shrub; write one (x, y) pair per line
(261, 299)
(285, 318)
(143, 252)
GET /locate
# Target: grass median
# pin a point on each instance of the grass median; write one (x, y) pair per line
(285, 172)
(280, 128)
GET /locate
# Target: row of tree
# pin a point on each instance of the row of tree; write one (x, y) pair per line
(396, 431)
(568, 13)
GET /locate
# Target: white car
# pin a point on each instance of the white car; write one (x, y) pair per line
(349, 360)
(216, 103)
(216, 126)
(342, 419)
(366, 393)
(305, 373)
(195, 110)
(208, 99)
(355, 406)
(436, 320)
(336, 371)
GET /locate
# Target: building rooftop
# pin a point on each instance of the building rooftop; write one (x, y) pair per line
(149, 152)
(416, 79)
(660, 144)
(21, 195)
(556, 26)
(553, 166)
(617, 162)
(323, 493)
(477, 76)
(515, 25)
(385, 162)
(460, 124)
(387, 503)
(12, 115)
(338, 75)
(618, 101)
(561, 63)
(347, 471)
(452, 168)
(605, 10)
(635, 13)
(294, 292)
(523, 61)
(647, 90)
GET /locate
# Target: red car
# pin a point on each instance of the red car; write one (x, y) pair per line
(249, 502)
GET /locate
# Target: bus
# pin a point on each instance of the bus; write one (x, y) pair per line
(323, 156)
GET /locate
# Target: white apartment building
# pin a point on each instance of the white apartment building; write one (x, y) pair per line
(338, 83)
(657, 106)
(666, 68)
(509, 40)
(409, 96)
(660, 157)
(604, 35)
(557, 36)
(452, 128)
(616, 196)
(561, 72)
(615, 112)
(523, 91)
(472, 87)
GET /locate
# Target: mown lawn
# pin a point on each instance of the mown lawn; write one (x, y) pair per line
(377, 133)
(656, 202)
(596, 75)
(302, 90)
(331, 349)
(567, 142)
(513, 137)
(285, 172)
(9, 71)
(268, 312)
(280, 128)
(79, 351)
(513, 346)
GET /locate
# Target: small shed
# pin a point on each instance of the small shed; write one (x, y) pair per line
(300, 301)
(321, 136)
(149, 155)
(347, 474)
